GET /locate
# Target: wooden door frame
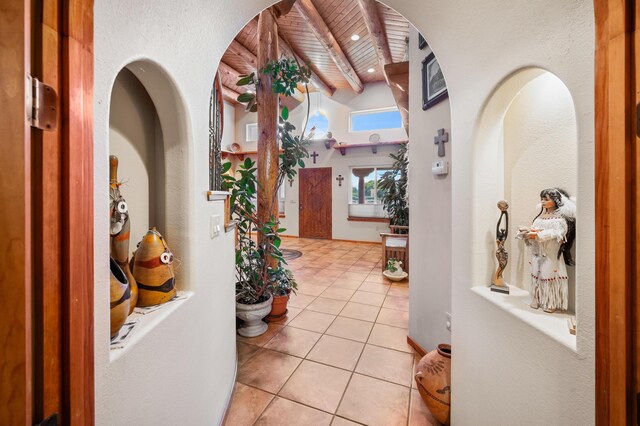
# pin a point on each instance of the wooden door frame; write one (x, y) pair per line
(617, 222)
(71, 29)
(330, 193)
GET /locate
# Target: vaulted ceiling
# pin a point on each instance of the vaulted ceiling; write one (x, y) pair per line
(320, 33)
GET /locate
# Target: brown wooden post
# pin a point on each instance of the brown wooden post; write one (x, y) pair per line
(268, 155)
(615, 90)
(15, 226)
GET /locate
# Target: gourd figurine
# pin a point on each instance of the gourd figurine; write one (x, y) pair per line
(153, 271)
(120, 226)
(551, 237)
(120, 297)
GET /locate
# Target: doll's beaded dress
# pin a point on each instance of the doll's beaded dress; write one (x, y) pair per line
(549, 280)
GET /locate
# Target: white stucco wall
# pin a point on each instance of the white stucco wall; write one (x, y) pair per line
(430, 212)
(132, 138)
(504, 371)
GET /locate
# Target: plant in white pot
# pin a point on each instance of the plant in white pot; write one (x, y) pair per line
(260, 266)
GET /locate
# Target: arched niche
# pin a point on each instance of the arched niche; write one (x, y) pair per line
(147, 132)
(527, 140)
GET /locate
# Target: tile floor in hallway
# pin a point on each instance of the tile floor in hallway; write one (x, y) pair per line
(340, 357)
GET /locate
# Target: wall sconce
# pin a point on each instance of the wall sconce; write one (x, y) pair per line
(339, 179)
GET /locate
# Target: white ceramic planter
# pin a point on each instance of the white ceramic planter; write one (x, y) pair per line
(252, 316)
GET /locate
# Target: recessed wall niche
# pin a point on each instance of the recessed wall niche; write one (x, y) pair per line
(149, 150)
(526, 142)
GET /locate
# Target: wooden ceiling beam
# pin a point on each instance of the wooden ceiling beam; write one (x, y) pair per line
(285, 49)
(244, 54)
(322, 32)
(226, 70)
(369, 9)
(230, 95)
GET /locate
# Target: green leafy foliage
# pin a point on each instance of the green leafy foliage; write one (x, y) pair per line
(260, 266)
(394, 188)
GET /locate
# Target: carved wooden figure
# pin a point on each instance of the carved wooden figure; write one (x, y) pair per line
(501, 253)
(120, 226)
(153, 271)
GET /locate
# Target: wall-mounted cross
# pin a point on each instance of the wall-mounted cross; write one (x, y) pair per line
(314, 155)
(339, 179)
(439, 140)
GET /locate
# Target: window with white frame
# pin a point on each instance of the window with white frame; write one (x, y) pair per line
(375, 119)
(365, 198)
(252, 132)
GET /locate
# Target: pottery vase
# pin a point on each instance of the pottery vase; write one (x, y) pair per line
(120, 228)
(153, 271)
(433, 378)
(252, 316)
(120, 297)
(278, 307)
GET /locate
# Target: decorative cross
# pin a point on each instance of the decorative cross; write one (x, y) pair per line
(339, 179)
(439, 140)
(290, 182)
(314, 155)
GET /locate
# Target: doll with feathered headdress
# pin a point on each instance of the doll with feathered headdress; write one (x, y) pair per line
(551, 237)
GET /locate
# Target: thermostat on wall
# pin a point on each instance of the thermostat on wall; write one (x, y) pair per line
(440, 168)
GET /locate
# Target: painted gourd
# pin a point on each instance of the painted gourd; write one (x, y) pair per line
(120, 228)
(120, 297)
(153, 271)
(433, 378)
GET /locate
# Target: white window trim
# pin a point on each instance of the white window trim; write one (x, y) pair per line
(367, 111)
(247, 132)
(376, 168)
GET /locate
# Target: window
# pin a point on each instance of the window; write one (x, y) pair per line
(252, 132)
(375, 119)
(320, 121)
(364, 185)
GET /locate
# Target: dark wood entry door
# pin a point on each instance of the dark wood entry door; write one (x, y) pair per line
(315, 203)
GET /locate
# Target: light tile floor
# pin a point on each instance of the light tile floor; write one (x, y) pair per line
(340, 356)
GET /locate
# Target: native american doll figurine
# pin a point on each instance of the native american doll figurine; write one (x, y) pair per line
(153, 271)
(120, 297)
(551, 237)
(119, 213)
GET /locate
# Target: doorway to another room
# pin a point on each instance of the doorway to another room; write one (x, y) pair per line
(315, 203)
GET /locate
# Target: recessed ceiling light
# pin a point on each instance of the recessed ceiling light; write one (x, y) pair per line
(371, 70)
(355, 37)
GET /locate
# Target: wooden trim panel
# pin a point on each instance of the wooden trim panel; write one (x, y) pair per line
(416, 346)
(367, 219)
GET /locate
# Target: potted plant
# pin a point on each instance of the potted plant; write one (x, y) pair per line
(261, 270)
(394, 186)
(282, 285)
(394, 271)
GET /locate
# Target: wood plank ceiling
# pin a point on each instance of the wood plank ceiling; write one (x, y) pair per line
(344, 18)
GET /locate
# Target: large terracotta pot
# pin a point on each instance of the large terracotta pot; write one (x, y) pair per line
(433, 377)
(120, 297)
(252, 316)
(153, 271)
(278, 307)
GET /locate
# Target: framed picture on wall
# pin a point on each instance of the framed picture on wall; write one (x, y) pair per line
(434, 88)
(422, 43)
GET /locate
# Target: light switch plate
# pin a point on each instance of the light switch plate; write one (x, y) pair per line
(448, 321)
(214, 226)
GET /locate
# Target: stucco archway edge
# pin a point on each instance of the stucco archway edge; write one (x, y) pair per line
(477, 44)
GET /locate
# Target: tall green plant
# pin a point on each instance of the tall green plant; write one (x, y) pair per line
(394, 186)
(256, 276)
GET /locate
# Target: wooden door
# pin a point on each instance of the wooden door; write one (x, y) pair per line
(46, 235)
(315, 203)
(617, 168)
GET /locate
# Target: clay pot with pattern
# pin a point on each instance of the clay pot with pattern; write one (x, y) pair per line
(153, 271)
(120, 228)
(433, 378)
(120, 297)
